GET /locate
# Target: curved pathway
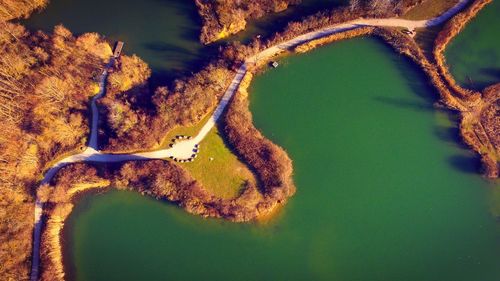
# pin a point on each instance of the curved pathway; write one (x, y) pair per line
(184, 149)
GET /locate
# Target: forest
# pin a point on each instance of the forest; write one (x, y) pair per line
(46, 81)
(13, 9)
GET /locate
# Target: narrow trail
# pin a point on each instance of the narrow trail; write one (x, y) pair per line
(184, 149)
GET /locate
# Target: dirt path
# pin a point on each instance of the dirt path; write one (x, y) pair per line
(184, 149)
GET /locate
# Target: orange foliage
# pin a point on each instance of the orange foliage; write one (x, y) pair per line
(45, 85)
(225, 17)
(13, 9)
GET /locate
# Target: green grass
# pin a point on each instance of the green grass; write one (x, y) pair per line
(225, 175)
(186, 131)
(429, 9)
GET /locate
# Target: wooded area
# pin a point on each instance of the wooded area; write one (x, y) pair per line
(46, 81)
(222, 18)
(13, 9)
(139, 118)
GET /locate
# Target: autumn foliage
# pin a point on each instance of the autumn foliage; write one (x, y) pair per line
(58, 204)
(46, 81)
(139, 118)
(222, 18)
(160, 179)
(353, 10)
(269, 161)
(13, 9)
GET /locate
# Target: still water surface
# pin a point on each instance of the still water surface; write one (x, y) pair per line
(384, 190)
(474, 55)
(164, 33)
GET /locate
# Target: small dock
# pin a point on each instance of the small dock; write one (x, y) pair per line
(118, 49)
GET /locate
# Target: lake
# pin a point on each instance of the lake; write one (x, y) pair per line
(384, 190)
(164, 33)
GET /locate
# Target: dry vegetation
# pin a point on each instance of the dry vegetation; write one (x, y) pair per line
(222, 18)
(162, 180)
(430, 9)
(45, 84)
(148, 117)
(450, 30)
(305, 47)
(58, 205)
(122, 108)
(355, 9)
(405, 45)
(13, 9)
(271, 163)
(480, 122)
(480, 128)
(47, 80)
(378, 7)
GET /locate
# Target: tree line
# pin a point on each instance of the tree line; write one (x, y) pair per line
(46, 81)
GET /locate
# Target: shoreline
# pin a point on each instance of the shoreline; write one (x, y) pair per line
(171, 184)
(208, 206)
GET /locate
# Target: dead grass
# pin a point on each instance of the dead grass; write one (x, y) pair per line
(429, 9)
(425, 39)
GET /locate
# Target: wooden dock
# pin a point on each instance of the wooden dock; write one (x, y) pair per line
(118, 49)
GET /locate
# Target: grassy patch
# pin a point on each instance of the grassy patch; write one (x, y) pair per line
(185, 131)
(225, 175)
(429, 9)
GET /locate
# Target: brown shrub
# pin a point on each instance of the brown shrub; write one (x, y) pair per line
(270, 162)
(226, 17)
(305, 47)
(185, 103)
(16, 225)
(45, 83)
(480, 128)
(13, 9)
(405, 45)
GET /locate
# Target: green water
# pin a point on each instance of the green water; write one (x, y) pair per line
(272, 23)
(164, 33)
(384, 190)
(474, 55)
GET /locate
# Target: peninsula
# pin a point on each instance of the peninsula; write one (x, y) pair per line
(132, 141)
